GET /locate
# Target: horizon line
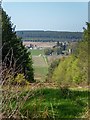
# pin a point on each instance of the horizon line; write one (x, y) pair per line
(46, 30)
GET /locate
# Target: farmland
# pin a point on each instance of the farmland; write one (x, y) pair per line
(37, 52)
(40, 44)
(40, 65)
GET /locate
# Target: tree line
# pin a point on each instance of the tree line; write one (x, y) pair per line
(49, 36)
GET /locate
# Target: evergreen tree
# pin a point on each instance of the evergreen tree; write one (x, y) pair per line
(14, 54)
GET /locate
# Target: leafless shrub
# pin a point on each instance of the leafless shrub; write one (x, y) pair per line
(11, 102)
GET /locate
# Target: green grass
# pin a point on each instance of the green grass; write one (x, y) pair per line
(40, 72)
(37, 52)
(40, 65)
(51, 103)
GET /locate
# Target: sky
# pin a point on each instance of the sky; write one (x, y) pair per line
(46, 0)
(54, 16)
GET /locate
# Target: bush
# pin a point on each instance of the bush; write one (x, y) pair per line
(20, 80)
(51, 69)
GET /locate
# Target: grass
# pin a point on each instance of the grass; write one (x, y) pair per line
(40, 65)
(37, 52)
(51, 103)
(40, 72)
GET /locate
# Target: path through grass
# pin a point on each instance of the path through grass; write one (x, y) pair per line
(40, 65)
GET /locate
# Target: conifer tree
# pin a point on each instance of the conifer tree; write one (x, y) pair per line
(14, 54)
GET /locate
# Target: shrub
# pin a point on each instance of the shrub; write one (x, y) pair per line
(20, 80)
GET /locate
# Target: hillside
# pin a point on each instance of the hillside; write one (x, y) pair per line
(48, 36)
(74, 69)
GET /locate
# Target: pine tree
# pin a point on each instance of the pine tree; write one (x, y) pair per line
(14, 54)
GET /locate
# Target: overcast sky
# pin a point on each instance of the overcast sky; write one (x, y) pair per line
(61, 16)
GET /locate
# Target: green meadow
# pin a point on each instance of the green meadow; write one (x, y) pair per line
(49, 103)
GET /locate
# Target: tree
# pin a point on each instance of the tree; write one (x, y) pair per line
(51, 68)
(48, 51)
(74, 69)
(14, 54)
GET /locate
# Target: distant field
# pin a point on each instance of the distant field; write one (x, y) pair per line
(37, 52)
(40, 73)
(40, 44)
(40, 65)
(39, 61)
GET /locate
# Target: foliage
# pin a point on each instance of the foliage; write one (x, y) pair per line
(20, 80)
(48, 51)
(56, 50)
(51, 69)
(74, 69)
(14, 54)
